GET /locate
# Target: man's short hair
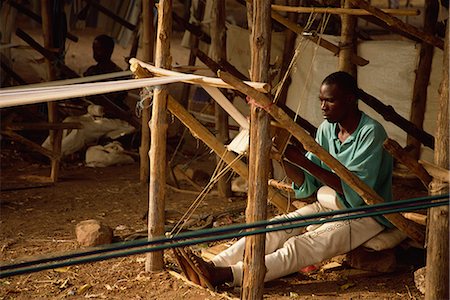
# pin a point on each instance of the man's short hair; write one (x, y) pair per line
(106, 41)
(344, 80)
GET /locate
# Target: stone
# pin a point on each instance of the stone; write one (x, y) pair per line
(93, 233)
(377, 261)
(419, 279)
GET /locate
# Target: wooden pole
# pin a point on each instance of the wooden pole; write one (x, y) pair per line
(319, 41)
(259, 158)
(389, 114)
(364, 191)
(419, 99)
(437, 275)
(399, 24)
(343, 11)
(55, 138)
(218, 53)
(148, 45)
(282, 136)
(410, 162)
(211, 141)
(347, 45)
(158, 132)
(199, 13)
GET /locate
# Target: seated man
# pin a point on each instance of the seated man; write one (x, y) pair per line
(102, 48)
(353, 138)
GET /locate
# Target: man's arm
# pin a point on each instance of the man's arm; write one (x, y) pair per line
(324, 176)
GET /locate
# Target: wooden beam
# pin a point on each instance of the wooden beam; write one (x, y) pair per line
(363, 190)
(218, 52)
(198, 35)
(399, 24)
(439, 173)
(23, 9)
(216, 82)
(11, 73)
(410, 162)
(148, 44)
(32, 145)
(48, 54)
(320, 41)
(343, 11)
(200, 131)
(158, 143)
(416, 217)
(437, 276)
(389, 114)
(254, 267)
(348, 46)
(111, 14)
(194, 29)
(422, 80)
(52, 107)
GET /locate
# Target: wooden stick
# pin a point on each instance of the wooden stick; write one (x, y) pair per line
(435, 171)
(348, 42)
(280, 185)
(399, 24)
(416, 217)
(111, 14)
(389, 114)
(148, 45)
(423, 71)
(363, 190)
(11, 73)
(49, 55)
(254, 268)
(405, 158)
(54, 135)
(198, 35)
(201, 132)
(217, 82)
(344, 11)
(320, 41)
(158, 143)
(436, 281)
(22, 9)
(43, 126)
(20, 139)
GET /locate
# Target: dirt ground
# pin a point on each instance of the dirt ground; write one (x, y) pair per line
(39, 219)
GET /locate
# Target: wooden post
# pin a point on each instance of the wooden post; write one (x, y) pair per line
(8, 16)
(348, 42)
(199, 12)
(399, 24)
(148, 45)
(218, 53)
(419, 99)
(158, 131)
(437, 275)
(55, 138)
(260, 144)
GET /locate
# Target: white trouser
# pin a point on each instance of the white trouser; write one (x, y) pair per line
(287, 251)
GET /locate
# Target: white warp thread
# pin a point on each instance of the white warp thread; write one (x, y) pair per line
(15, 97)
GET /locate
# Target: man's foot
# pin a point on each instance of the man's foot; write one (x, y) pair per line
(189, 273)
(209, 274)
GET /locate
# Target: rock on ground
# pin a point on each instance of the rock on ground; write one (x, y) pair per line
(93, 233)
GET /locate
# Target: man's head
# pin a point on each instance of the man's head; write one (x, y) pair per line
(102, 48)
(338, 96)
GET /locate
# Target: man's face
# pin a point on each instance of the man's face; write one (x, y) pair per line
(100, 53)
(334, 103)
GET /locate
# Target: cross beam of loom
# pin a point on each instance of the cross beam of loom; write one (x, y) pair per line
(412, 229)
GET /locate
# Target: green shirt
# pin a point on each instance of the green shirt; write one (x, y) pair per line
(362, 153)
